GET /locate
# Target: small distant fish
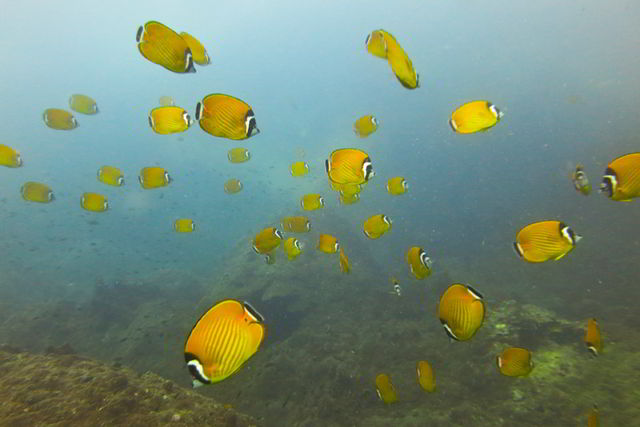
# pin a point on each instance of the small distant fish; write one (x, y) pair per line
(580, 180)
(621, 180)
(426, 377)
(400, 63)
(153, 177)
(200, 55)
(345, 267)
(168, 120)
(461, 311)
(36, 192)
(299, 168)
(419, 262)
(111, 175)
(184, 225)
(163, 46)
(348, 199)
(375, 226)
(365, 126)
(545, 240)
(592, 337)
(397, 185)
(83, 104)
(296, 224)
(515, 362)
(349, 189)
(166, 101)
(56, 118)
(292, 248)
(238, 155)
(349, 166)
(311, 202)
(328, 244)
(10, 157)
(375, 44)
(94, 202)
(222, 340)
(266, 241)
(593, 417)
(397, 290)
(225, 116)
(232, 186)
(474, 117)
(384, 388)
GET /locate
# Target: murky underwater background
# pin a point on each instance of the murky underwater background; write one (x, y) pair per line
(123, 286)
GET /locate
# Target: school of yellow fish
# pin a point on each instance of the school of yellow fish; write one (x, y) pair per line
(230, 332)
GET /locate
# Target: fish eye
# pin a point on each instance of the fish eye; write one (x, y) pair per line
(167, 178)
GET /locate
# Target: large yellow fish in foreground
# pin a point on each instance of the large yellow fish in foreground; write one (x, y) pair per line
(200, 55)
(461, 311)
(56, 118)
(94, 202)
(515, 362)
(349, 166)
(168, 120)
(226, 117)
(474, 117)
(545, 240)
(621, 180)
(163, 46)
(83, 104)
(36, 192)
(222, 340)
(10, 157)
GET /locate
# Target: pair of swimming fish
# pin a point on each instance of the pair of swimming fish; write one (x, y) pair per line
(387, 392)
(175, 52)
(382, 44)
(57, 118)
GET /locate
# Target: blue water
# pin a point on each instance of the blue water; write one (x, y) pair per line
(564, 73)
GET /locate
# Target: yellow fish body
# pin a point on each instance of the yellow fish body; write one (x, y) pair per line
(238, 155)
(426, 377)
(111, 175)
(83, 104)
(375, 44)
(580, 180)
(545, 240)
(163, 46)
(166, 101)
(10, 157)
(474, 117)
(348, 199)
(296, 224)
(184, 225)
(94, 202)
(397, 185)
(515, 362)
(621, 180)
(225, 116)
(56, 118)
(153, 177)
(168, 120)
(419, 262)
(593, 417)
(311, 202)
(345, 267)
(592, 338)
(292, 248)
(384, 388)
(299, 168)
(233, 186)
(365, 126)
(222, 340)
(375, 226)
(200, 55)
(327, 244)
(461, 311)
(349, 166)
(266, 240)
(36, 192)
(400, 63)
